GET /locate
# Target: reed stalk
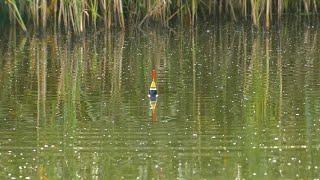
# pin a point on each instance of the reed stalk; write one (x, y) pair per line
(44, 13)
(254, 12)
(268, 13)
(315, 7)
(15, 12)
(280, 9)
(194, 11)
(118, 10)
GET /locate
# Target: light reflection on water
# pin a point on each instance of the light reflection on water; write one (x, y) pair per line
(232, 104)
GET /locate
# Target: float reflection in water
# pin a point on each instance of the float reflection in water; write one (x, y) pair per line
(153, 106)
(153, 95)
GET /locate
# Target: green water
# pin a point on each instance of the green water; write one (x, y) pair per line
(233, 103)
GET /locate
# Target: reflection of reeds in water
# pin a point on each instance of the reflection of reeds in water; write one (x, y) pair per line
(257, 81)
(116, 71)
(256, 66)
(232, 79)
(117, 64)
(77, 15)
(41, 59)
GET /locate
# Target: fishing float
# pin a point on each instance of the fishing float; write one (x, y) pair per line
(153, 93)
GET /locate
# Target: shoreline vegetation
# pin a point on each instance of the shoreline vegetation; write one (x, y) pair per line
(78, 15)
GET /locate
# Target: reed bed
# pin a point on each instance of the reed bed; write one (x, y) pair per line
(79, 15)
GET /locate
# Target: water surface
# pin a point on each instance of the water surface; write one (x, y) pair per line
(233, 103)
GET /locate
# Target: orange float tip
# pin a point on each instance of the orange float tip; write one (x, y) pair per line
(154, 74)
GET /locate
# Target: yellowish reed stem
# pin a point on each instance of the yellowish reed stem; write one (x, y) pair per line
(268, 14)
(194, 12)
(44, 13)
(254, 13)
(280, 7)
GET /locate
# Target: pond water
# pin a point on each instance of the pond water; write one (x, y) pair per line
(234, 103)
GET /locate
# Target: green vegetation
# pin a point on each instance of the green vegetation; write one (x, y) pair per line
(78, 15)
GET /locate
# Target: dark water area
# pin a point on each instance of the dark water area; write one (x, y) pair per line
(234, 103)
